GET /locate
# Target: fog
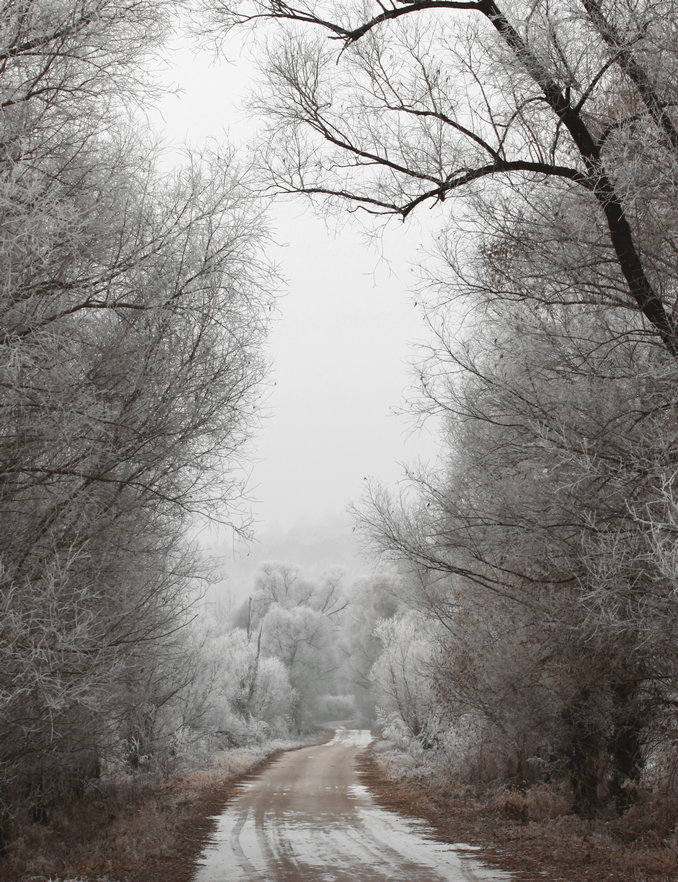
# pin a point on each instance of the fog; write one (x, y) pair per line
(344, 336)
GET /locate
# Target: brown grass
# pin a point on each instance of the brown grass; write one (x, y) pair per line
(529, 834)
(155, 833)
(138, 832)
(132, 833)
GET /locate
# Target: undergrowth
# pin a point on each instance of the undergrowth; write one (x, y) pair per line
(129, 830)
(532, 830)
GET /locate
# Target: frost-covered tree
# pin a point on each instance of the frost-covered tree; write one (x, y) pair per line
(569, 105)
(545, 134)
(536, 544)
(298, 621)
(248, 696)
(131, 308)
(373, 599)
(402, 678)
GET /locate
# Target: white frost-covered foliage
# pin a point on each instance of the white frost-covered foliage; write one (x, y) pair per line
(549, 527)
(257, 691)
(295, 623)
(421, 734)
(402, 678)
(132, 315)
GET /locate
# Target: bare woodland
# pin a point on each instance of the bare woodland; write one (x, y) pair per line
(525, 631)
(539, 556)
(132, 315)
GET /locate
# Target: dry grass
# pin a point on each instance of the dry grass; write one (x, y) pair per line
(155, 832)
(530, 834)
(133, 832)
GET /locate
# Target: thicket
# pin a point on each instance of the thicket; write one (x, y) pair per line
(540, 644)
(532, 639)
(131, 323)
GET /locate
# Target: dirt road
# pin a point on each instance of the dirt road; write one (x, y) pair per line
(308, 819)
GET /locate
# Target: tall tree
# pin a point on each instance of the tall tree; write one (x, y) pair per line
(131, 315)
(536, 543)
(548, 130)
(415, 102)
(299, 621)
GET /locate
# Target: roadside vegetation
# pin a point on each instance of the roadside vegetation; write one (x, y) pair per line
(534, 648)
(534, 835)
(519, 654)
(133, 308)
(149, 827)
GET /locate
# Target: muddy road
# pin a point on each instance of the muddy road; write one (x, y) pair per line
(308, 819)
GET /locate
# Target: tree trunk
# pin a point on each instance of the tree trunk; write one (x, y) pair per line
(625, 747)
(584, 753)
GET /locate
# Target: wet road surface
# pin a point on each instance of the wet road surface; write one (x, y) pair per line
(308, 819)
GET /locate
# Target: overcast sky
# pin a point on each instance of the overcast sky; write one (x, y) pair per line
(341, 349)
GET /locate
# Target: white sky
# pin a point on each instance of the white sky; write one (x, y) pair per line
(341, 350)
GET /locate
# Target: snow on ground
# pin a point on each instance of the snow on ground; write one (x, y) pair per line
(309, 820)
(359, 738)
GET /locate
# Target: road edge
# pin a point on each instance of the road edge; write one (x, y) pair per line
(563, 850)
